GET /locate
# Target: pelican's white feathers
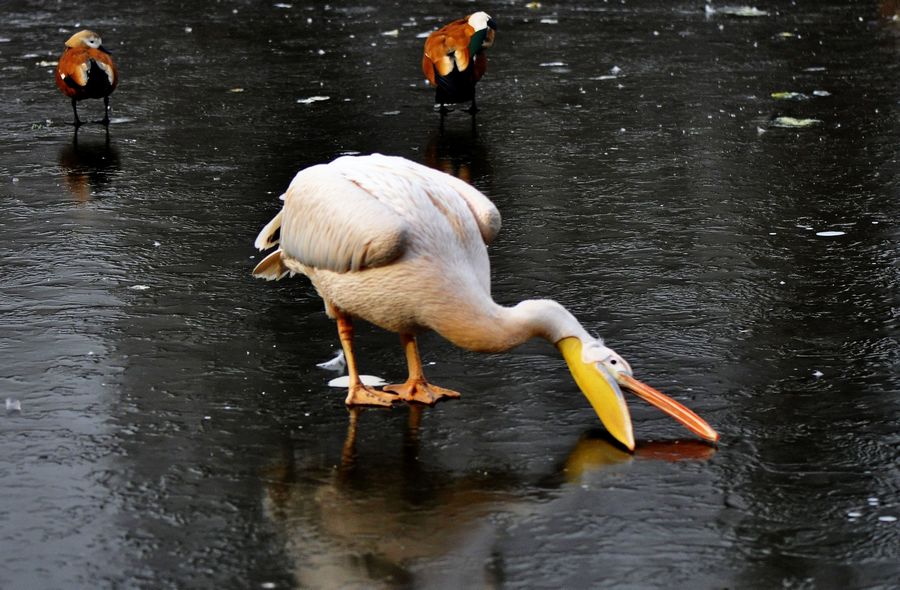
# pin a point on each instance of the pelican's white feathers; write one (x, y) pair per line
(404, 247)
(349, 215)
(267, 236)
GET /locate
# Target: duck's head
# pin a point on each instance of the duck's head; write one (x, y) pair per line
(484, 27)
(599, 372)
(85, 38)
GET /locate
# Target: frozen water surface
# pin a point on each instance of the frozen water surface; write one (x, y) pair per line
(200, 446)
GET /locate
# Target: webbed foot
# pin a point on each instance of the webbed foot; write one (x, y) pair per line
(362, 395)
(421, 392)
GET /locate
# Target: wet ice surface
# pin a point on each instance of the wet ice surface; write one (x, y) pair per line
(171, 428)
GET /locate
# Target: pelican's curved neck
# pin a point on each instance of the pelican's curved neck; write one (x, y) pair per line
(496, 328)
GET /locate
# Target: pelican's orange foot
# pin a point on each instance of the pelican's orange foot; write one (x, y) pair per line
(360, 395)
(421, 392)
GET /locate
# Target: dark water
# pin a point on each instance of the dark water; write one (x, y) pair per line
(174, 430)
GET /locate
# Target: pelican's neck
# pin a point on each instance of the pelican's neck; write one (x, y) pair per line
(496, 328)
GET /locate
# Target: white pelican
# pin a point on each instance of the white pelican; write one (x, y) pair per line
(404, 247)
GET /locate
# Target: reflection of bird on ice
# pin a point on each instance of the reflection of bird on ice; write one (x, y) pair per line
(405, 247)
(88, 166)
(377, 521)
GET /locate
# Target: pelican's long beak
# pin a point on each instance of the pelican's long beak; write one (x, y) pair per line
(601, 389)
(691, 421)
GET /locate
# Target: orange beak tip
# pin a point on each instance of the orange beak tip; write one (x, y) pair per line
(676, 410)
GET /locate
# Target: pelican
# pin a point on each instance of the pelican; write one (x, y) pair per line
(454, 59)
(86, 70)
(404, 247)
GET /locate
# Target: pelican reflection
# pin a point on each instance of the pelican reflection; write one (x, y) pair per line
(377, 521)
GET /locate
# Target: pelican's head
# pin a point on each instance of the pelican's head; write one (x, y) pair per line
(86, 38)
(595, 368)
(484, 24)
(599, 372)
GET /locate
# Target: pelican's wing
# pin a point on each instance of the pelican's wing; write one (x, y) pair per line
(330, 222)
(268, 236)
(438, 185)
(486, 214)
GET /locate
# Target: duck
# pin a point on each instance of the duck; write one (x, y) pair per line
(86, 70)
(404, 247)
(454, 59)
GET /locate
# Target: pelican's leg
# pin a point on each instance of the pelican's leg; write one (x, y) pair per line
(416, 388)
(358, 394)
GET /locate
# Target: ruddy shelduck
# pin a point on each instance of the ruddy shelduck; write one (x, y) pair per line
(86, 70)
(404, 247)
(454, 59)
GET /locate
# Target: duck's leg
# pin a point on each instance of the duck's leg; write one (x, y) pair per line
(358, 394)
(474, 107)
(417, 389)
(77, 122)
(105, 120)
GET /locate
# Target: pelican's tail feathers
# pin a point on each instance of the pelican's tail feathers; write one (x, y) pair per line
(269, 235)
(271, 267)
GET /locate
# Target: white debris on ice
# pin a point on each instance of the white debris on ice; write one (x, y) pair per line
(794, 123)
(312, 99)
(742, 11)
(338, 363)
(370, 380)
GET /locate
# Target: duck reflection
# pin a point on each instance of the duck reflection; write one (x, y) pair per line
(367, 523)
(88, 165)
(458, 152)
